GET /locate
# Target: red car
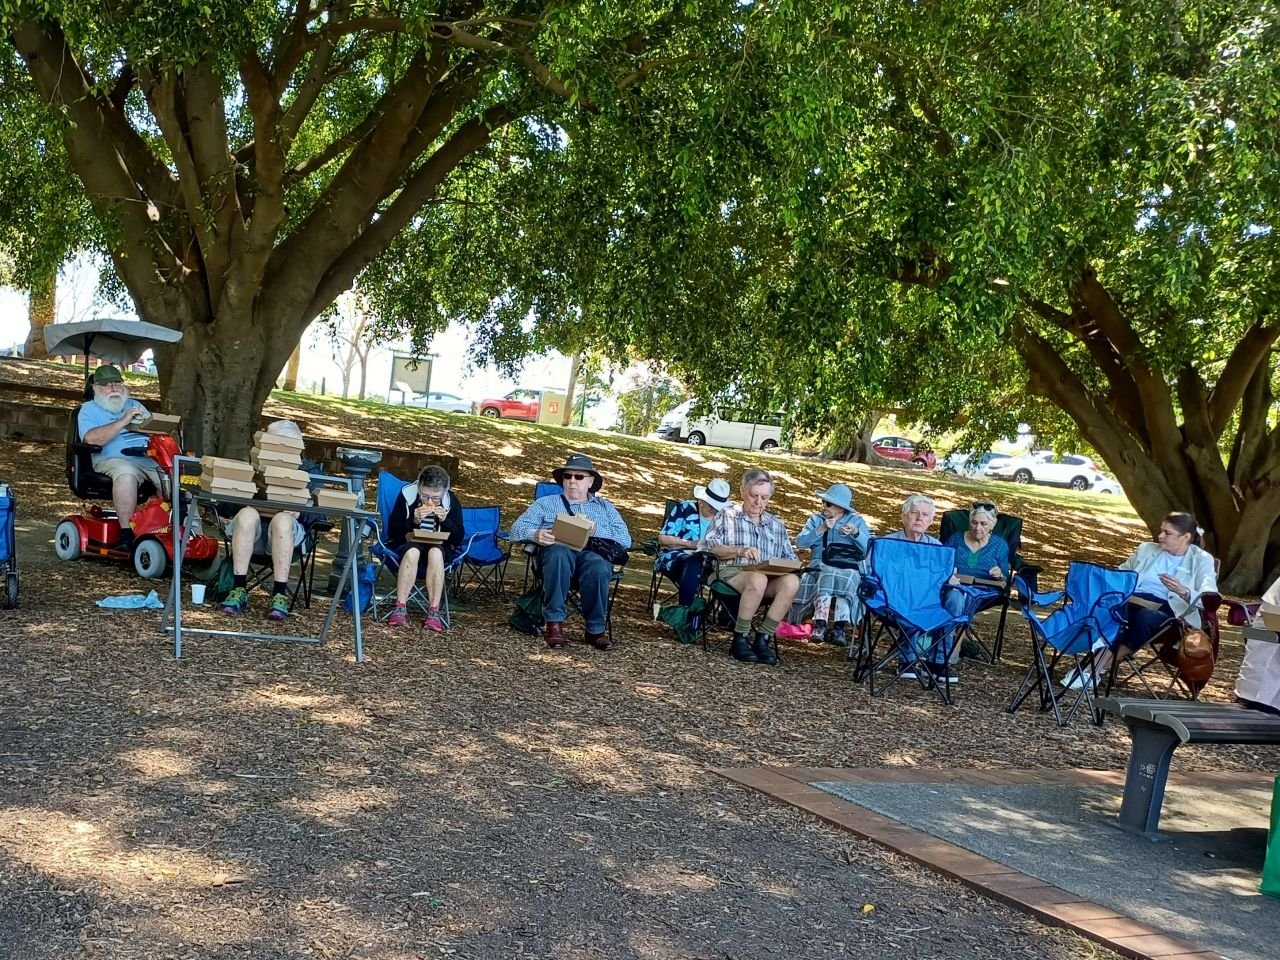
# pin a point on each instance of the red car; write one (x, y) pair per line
(900, 448)
(516, 405)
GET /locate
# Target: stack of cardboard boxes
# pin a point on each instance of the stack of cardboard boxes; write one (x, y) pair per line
(278, 461)
(228, 477)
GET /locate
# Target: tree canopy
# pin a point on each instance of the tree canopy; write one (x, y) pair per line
(246, 161)
(992, 213)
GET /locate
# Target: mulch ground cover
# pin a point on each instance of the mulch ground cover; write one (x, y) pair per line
(476, 795)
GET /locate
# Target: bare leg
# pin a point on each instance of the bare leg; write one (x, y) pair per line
(751, 587)
(281, 535)
(407, 575)
(244, 532)
(435, 576)
(124, 497)
(783, 590)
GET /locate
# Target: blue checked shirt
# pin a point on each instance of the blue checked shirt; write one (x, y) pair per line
(542, 514)
(732, 528)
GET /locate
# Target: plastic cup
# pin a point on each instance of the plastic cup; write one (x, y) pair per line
(197, 593)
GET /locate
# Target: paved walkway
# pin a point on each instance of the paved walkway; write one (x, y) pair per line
(1045, 842)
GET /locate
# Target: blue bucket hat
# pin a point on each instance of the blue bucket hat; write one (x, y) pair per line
(839, 495)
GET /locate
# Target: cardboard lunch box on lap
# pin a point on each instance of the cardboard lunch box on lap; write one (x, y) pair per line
(573, 532)
(775, 567)
(157, 423)
(435, 537)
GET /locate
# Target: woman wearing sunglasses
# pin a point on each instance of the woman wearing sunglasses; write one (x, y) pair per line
(838, 538)
(979, 554)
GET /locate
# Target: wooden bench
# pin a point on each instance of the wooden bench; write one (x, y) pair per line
(1158, 727)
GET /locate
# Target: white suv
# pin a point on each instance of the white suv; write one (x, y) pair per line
(1068, 470)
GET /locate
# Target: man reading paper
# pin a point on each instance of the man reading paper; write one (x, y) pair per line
(580, 483)
(749, 534)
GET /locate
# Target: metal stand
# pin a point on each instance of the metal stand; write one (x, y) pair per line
(359, 464)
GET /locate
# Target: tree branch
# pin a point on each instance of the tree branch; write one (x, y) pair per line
(466, 140)
(1250, 350)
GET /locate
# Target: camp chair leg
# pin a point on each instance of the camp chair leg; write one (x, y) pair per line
(998, 647)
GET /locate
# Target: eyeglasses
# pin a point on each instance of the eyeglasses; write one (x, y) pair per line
(984, 505)
(575, 476)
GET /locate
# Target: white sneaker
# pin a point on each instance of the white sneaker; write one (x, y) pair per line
(1077, 679)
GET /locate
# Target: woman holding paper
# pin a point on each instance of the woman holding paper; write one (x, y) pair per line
(430, 506)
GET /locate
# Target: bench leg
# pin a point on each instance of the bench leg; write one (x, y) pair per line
(1153, 748)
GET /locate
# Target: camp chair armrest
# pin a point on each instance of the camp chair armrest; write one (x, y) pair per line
(1047, 599)
(82, 447)
(1240, 613)
(1210, 601)
(320, 526)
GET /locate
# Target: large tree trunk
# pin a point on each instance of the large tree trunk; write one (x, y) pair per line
(291, 371)
(854, 443)
(218, 377)
(569, 391)
(1165, 464)
(42, 310)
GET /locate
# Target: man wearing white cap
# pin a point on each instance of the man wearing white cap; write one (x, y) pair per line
(685, 532)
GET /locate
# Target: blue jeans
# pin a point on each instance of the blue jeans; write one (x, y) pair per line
(562, 568)
(685, 570)
(1143, 623)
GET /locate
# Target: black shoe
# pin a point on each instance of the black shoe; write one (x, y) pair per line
(741, 649)
(838, 636)
(764, 650)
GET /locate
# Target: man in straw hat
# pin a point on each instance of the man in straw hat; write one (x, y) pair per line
(580, 483)
(684, 532)
(750, 534)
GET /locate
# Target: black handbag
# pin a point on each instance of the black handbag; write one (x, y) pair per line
(611, 550)
(842, 556)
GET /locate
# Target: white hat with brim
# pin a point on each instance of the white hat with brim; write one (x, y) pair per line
(715, 494)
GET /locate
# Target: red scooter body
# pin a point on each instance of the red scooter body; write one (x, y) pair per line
(96, 532)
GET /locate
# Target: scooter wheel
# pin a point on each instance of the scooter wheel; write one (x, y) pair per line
(66, 541)
(149, 559)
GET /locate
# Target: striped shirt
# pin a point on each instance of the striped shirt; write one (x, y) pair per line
(733, 528)
(542, 514)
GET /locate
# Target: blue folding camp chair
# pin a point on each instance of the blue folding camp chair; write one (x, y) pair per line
(902, 590)
(8, 547)
(1092, 608)
(484, 562)
(389, 491)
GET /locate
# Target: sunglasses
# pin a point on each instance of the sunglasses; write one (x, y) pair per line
(984, 505)
(575, 476)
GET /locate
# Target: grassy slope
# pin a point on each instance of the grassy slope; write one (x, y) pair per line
(500, 461)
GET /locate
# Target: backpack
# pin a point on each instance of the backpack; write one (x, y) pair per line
(685, 621)
(527, 615)
(221, 580)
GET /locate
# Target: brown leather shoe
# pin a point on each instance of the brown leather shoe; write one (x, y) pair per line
(555, 636)
(600, 641)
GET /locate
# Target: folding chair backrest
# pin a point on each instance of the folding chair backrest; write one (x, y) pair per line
(480, 528)
(1094, 593)
(389, 489)
(911, 574)
(1008, 528)
(546, 488)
